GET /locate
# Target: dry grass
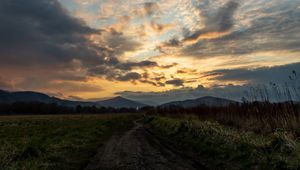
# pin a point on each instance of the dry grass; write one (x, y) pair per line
(260, 117)
(223, 147)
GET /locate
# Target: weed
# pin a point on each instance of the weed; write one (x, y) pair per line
(222, 147)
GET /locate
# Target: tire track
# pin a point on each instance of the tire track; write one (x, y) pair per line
(137, 149)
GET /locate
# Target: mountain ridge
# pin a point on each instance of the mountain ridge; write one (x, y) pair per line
(206, 100)
(119, 102)
(31, 96)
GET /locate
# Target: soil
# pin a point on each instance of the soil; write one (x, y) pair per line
(137, 149)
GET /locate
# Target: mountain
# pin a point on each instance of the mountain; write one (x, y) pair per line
(119, 102)
(207, 100)
(29, 96)
(24, 96)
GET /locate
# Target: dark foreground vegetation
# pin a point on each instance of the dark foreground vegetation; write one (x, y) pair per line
(250, 135)
(55, 142)
(260, 117)
(218, 137)
(40, 108)
(224, 147)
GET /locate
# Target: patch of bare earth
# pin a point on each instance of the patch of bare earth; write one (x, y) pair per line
(137, 149)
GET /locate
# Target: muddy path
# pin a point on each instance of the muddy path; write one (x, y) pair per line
(137, 149)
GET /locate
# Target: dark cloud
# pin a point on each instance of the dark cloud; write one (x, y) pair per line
(119, 43)
(175, 82)
(42, 38)
(272, 29)
(154, 83)
(169, 45)
(263, 75)
(151, 8)
(216, 22)
(142, 64)
(122, 72)
(187, 71)
(169, 65)
(276, 31)
(43, 33)
(221, 21)
(174, 42)
(129, 77)
(99, 70)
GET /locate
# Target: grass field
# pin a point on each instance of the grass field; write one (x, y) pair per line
(71, 141)
(55, 142)
(223, 147)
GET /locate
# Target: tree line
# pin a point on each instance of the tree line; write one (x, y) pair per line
(54, 108)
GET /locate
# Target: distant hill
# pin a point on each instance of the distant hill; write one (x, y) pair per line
(29, 96)
(24, 96)
(207, 100)
(119, 102)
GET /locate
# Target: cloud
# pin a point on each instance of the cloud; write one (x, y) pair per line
(129, 77)
(42, 38)
(170, 46)
(119, 43)
(46, 34)
(262, 75)
(43, 32)
(223, 20)
(169, 65)
(256, 79)
(219, 22)
(175, 82)
(174, 42)
(279, 31)
(236, 29)
(151, 8)
(5, 84)
(123, 72)
(121, 24)
(187, 71)
(67, 87)
(142, 64)
(160, 28)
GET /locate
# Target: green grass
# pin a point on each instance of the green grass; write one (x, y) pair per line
(222, 147)
(55, 142)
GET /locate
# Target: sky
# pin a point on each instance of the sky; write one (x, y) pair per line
(154, 51)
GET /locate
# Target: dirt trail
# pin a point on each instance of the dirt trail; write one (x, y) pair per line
(137, 149)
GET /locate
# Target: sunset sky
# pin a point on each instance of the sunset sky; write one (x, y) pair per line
(147, 50)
